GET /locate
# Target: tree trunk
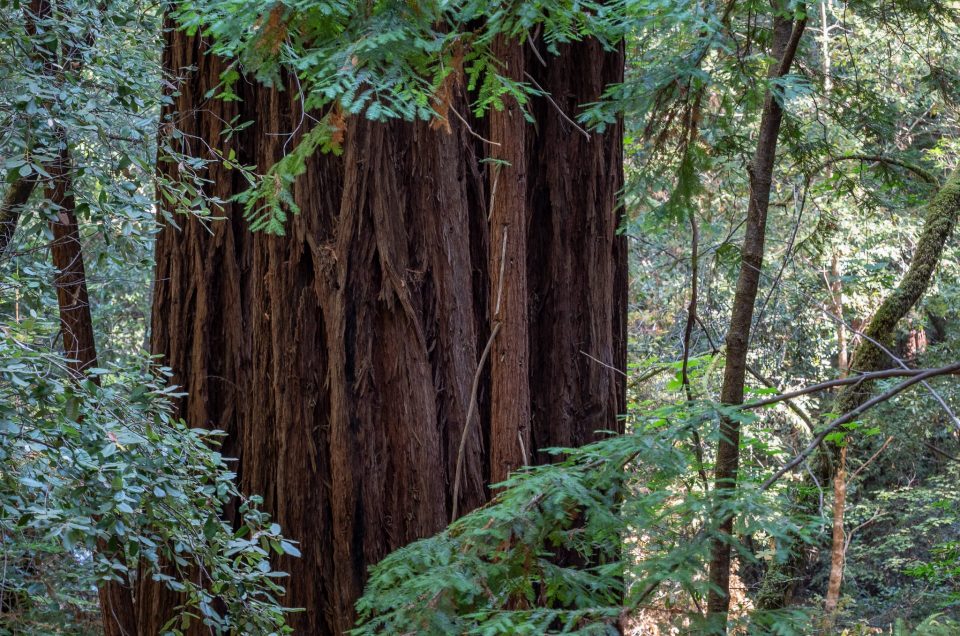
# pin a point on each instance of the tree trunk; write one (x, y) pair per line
(872, 354)
(510, 399)
(786, 37)
(117, 607)
(838, 544)
(837, 549)
(340, 357)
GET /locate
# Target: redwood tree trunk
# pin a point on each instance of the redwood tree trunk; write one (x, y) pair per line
(510, 399)
(340, 358)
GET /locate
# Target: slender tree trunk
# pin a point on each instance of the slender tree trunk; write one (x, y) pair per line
(869, 355)
(786, 38)
(76, 324)
(942, 215)
(837, 552)
(838, 539)
(66, 250)
(340, 358)
(117, 606)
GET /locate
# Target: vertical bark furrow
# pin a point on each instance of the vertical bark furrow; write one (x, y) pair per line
(575, 255)
(507, 270)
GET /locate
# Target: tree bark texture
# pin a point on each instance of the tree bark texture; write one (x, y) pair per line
(340, 358)
(507, 271)
(786, 37)
(838, 543)
(839, 535)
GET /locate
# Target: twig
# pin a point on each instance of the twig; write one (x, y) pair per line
(536, 53)
(557, 106)
(604, 364)
(493, 191)
(924, 174)
(872, 457)
(793, 406)
(503, 259)
(687, 334)
(476, 380)
(939, 451)
(692, 307)
(849, 539)
(470, 130)
(466, 423)
(856, 379)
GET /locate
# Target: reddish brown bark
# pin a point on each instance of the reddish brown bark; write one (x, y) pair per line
(838, 543)
(340, 358)
(507, 270)
(76, 324)
(576, 262)
(838, 546)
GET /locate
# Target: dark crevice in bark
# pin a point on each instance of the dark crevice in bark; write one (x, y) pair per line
(575, 257)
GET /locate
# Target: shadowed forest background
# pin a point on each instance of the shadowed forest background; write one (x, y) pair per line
(467, 317)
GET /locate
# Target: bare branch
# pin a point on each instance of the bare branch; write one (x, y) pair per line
(851, 415)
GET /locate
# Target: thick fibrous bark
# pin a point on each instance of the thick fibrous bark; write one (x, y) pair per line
(507, 271)
(340, 358)
(786, 38)
(576, 263)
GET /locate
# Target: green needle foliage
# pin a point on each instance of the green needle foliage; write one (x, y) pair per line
(576, 546)
(100, 481)
(394, 60)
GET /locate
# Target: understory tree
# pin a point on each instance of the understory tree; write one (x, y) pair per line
(101, 485)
